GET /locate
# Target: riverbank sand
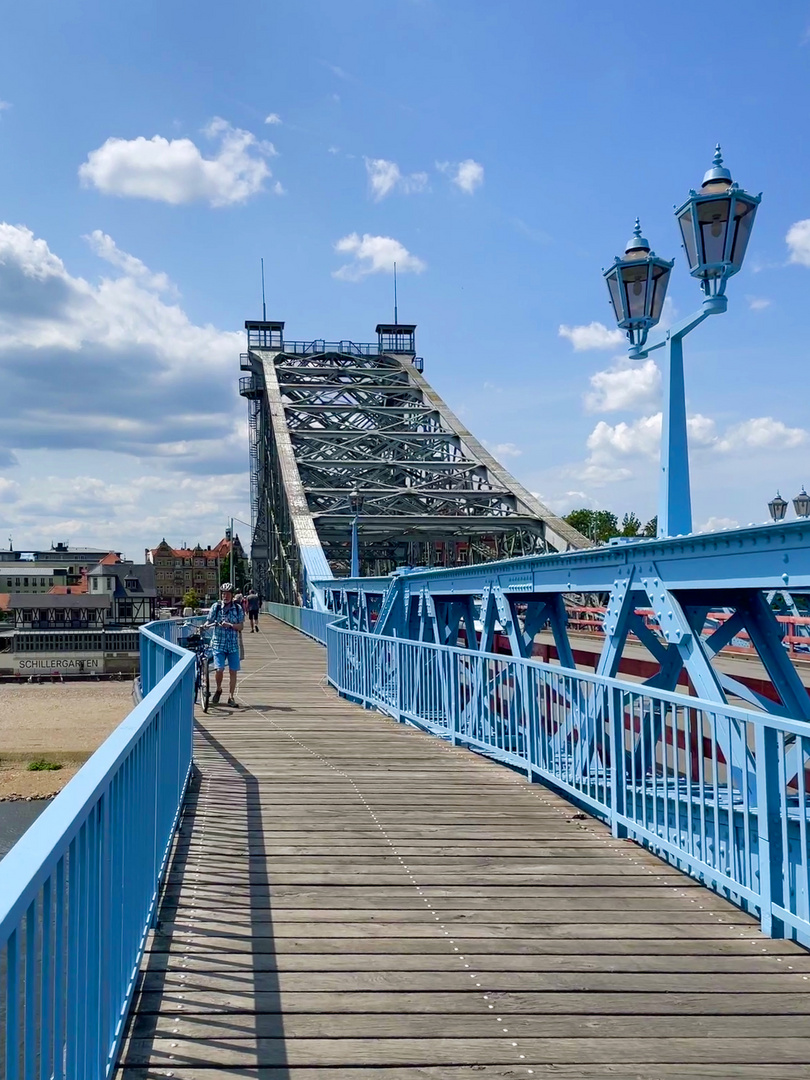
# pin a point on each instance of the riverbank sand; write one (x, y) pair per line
(62, 723)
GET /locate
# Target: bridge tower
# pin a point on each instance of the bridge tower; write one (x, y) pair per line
(327, 418)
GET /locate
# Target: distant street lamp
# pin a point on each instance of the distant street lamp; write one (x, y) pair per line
(356, 501)
(716, 225)
(801, 504)
(778, 507)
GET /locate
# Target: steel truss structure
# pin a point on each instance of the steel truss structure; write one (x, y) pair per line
(328, 418)
(681, 580)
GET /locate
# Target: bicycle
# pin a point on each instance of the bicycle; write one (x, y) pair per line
(198, 644)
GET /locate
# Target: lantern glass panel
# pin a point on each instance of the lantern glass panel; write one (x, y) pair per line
(688, 234)
(778, 508)
(615, 296)
(635, 286)
(744, 213)
(801, 504)
(660, 282)
(713, 221)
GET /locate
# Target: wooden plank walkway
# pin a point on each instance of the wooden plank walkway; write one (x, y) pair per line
(350, 898)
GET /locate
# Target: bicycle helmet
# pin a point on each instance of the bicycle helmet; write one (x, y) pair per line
(226, 586)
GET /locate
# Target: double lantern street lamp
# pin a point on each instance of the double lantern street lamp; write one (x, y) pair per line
(778, 506)
(716, 225)
(356, 501)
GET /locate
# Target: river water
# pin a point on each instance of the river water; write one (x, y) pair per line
(15, 817)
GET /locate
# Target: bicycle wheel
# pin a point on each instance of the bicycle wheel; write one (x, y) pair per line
(206, 687)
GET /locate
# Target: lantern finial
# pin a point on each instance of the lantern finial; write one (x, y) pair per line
(718, 173)
(637, 243)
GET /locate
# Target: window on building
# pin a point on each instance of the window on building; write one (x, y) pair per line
(16, 581)
(25, 582)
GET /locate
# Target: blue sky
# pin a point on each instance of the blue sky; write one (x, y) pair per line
(152, 153)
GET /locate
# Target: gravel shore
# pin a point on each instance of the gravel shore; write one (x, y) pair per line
(62, 722)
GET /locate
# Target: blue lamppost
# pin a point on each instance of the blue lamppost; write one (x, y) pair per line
(716, 225)
(356, 501)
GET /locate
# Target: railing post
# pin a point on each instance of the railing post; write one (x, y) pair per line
(398, 676)
(617, 760)
(769, 830)
(454, 697)
(530, 700)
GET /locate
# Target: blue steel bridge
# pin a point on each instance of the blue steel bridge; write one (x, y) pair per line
(418, 850)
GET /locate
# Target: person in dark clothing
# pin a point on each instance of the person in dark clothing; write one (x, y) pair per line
(253, 603)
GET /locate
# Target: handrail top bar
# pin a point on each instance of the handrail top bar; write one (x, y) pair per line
(47, 839)
(690, 559)
(792, 727)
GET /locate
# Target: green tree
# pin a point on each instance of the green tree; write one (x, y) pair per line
(597, 525)
(651, 528)
(631, 525)
(191, 599)
(581, 520)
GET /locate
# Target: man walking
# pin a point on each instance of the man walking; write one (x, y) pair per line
(227, 619)
(253, 610)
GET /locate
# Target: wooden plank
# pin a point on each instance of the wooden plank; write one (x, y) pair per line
(465, 1026)
(206, 960)
(365, 1052)
(513, 946)
(173, 1002)
(428, 981)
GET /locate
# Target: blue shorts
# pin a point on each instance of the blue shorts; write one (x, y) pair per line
(231, 658)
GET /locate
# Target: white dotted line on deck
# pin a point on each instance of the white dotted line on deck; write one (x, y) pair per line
(589, 825)
(475, 976)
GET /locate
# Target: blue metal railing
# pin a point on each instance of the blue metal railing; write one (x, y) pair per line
(308, 621)
(78, 892)
(648, 762)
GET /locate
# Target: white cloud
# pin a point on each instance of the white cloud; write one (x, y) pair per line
(758, 303)
(798, 242)
(384, 176)
(718, 524)
(466, 175)
(107, 366)
(624, 386)
(273, 118)
(9, 490)
(279, 189)
(642, 437)
(4, 105)
(506, 449)
(175, 171)
(593, 336)
(120, 416)
(105, 247)
(374, 255)
(598, 475)
(762, 433)
(333, 150)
